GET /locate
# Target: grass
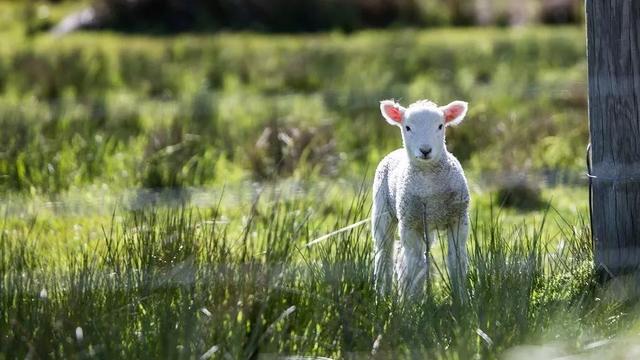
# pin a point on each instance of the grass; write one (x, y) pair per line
(182, 282)
(158, 193)
(191, 110)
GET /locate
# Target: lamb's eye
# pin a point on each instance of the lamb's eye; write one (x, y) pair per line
(440, 127)
(408, 128)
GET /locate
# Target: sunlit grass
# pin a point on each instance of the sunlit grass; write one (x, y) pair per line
(75, 218)
(176, 282)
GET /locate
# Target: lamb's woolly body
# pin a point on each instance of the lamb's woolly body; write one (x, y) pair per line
(419, 188)
(436, 194)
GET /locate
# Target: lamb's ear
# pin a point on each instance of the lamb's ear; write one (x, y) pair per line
(454, 112)
(392, 111)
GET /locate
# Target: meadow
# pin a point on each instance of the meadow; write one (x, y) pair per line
(159, 194)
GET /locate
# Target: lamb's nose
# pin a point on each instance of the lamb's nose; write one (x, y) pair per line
(425, 151)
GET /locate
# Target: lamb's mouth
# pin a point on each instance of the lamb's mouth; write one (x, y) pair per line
(423, 157)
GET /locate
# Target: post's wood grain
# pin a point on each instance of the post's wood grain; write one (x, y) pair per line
(613, 53)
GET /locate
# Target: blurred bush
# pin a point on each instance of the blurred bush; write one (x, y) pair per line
(280, 151)
(267, 15)
(169, 16)
(519, 192)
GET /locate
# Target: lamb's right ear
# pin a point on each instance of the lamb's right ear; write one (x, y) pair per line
(392, 111)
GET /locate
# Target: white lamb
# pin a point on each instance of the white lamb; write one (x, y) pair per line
(421, 189)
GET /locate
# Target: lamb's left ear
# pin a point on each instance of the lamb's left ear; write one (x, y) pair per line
(454, 112)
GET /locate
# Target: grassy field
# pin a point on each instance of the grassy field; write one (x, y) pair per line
(180, 111)
(158, 195)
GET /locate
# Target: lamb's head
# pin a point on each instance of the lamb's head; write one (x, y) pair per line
(423, 126)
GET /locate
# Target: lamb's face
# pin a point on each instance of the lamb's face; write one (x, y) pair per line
(423, 126)
(423, 133)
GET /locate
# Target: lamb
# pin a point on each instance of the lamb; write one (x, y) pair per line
(420, 189)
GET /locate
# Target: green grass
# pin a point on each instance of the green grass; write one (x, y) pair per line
(175, 283)
(146, 211)
(189, 110)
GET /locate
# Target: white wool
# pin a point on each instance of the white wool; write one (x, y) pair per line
(435, 194)
(420, 189)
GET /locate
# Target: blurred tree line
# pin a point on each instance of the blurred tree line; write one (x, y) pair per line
(315, 15)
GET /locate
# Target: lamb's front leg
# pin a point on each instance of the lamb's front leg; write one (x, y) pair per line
(383, 227)
(457, 261)
(413, 267)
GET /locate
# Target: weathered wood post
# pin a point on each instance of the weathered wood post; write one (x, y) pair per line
(613, 47)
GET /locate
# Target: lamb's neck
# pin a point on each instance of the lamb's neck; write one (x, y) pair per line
(429, 168)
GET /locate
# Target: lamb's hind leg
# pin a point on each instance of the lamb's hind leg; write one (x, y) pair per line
(457, 255)
(383, 225)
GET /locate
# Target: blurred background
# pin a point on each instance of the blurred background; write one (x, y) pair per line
(157, 94)
(165, 16)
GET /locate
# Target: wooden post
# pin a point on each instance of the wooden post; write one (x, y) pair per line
(613, 47)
